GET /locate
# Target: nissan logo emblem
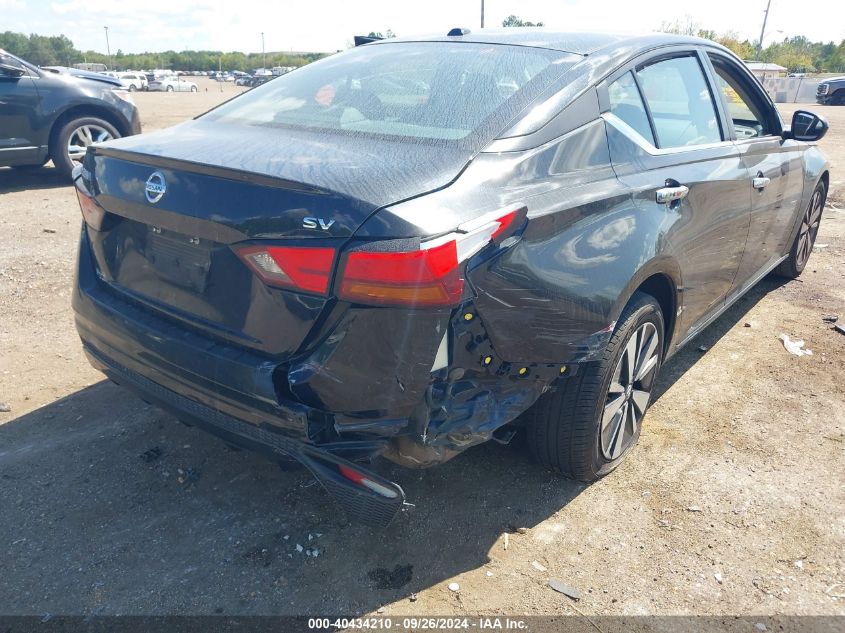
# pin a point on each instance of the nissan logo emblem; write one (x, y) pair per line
(155, 187)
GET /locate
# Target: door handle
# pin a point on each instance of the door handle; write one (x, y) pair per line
(760, 182)
(667, 195)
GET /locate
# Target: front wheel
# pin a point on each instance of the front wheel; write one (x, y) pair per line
(169, 88)
(799, 254)
(193, 88)
(585, 427)
(69, 144)
(132, 88)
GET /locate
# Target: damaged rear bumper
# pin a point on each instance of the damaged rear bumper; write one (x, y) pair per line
(365, 496)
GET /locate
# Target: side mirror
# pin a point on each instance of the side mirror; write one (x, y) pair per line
(7, 70)
(807, 126)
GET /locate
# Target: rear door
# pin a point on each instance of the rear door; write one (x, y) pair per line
(774, 165)
(667, 144)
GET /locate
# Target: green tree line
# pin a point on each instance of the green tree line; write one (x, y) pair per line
(60, 51)
(797, 54)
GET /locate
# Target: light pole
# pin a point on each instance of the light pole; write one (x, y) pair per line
(763, 30)
(482, 14)
(263, 54)
(108, 48)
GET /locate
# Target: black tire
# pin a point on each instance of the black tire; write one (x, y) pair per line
(132, 88)
(59, 141)
(169, 88)
(193, 88)
(799, 252)
(838, 98)
(564, 428)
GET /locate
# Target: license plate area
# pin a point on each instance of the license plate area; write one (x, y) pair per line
(180, 259)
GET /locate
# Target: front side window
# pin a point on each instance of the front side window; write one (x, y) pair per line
(744, 109)
(423, 90)
(680, 102)
(627, 104)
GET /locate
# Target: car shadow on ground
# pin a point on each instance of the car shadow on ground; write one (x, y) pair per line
(47, 177)
(111, 506)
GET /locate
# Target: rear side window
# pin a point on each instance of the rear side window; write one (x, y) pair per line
(627, 104)
(680, 102)
(422, 90)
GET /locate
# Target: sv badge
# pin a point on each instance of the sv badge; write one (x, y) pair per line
(313, 223)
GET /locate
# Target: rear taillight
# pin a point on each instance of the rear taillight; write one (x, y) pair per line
(301, 268)
(430, 276)
(385, 273)
(92, 212)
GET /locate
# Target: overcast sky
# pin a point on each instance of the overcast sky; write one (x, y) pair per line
(327, 25)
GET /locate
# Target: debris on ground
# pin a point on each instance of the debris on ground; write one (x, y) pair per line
(830, 318)
(506, 540)
(703, 348)
(693, 509)
(566, 590)
(799, 564)
(46, 230)
(453, 586)
(795, 347)
(522, 530)
(151, 455)
(412, 597)
(4, 408)
(538, 566)
(821, 245)
(489, 574)
(383, 578)
(840, 594)
(188, 475)
(380, 610)
(718, 577)
(299, 548)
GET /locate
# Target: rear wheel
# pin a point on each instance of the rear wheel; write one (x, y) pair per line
(799, 254)
(193, 88)
(169, 88)
(132, 88)
(70, 143)
(585, 427)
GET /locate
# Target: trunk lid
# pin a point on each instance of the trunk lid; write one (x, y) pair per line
(226, 186)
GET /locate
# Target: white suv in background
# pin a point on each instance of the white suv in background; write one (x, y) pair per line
(133, 81)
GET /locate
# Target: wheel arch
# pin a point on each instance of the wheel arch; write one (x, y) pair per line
(80, 111)
(660, 278)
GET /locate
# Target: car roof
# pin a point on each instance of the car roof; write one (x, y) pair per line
(565, 41)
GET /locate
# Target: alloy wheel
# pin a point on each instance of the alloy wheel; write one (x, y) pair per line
(629, 391)
(82, 137)
(809, 228)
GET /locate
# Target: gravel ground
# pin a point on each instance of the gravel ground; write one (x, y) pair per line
(733, 502)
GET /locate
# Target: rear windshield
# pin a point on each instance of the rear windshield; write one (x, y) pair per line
(441, 91)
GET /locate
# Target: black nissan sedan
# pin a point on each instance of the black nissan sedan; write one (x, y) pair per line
(421, 244)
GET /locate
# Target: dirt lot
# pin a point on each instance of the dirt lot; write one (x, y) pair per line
(733, 502)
